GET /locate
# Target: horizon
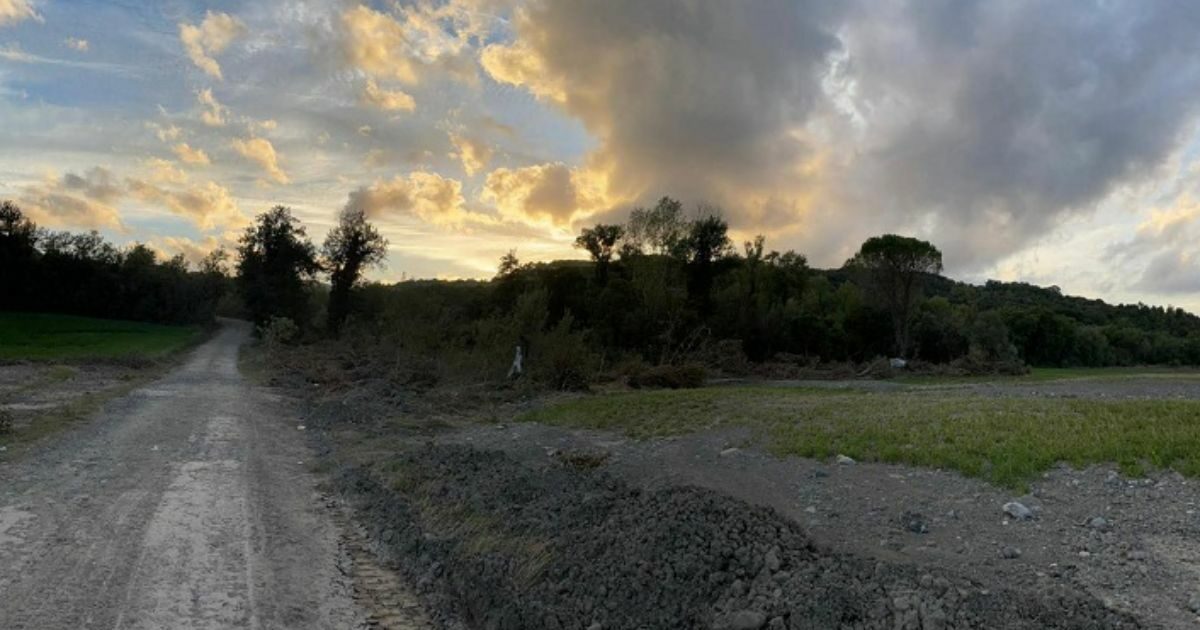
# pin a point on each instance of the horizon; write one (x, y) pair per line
(1047, 143)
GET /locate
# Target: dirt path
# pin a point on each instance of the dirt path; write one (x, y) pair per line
(186, 504)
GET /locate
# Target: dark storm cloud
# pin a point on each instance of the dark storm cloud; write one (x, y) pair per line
(1012, 114)
(978, 124)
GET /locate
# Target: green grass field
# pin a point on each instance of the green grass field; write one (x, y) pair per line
(1008, 441)
(40, 336)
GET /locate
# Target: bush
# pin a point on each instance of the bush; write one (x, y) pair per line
(687, 376)
(561, 358)
(279, 331)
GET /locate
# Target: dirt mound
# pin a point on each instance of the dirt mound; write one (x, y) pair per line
(503, 545)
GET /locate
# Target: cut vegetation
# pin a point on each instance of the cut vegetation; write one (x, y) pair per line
(1008, 440)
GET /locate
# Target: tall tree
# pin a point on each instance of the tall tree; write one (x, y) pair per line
(350, 247)
(18, 242)
(893, 265)
(600, 242)
(275, 258)
(658, 230)
(707, 241)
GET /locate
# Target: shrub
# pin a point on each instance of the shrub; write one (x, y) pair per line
(561, 357)
(687, 376)
(279, 331)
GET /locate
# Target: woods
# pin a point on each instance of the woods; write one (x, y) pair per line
(662, 289)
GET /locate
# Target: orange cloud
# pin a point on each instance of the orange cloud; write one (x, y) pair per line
(261, 152)
(210, 38)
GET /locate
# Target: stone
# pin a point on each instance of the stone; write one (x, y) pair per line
(1018, 511)
(772, 560)
(845, 461)
(1099, 523)
(1008, 552)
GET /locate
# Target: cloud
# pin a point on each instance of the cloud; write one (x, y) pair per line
(13, 11)
(74, 201)
(261, 152)
(417, 40)
(193, 251)
(210, 38)
(473, 154)
(427, 196)
(189, 155)
(696, 99)
(1163, 249)
(976, 124)
(209, 206)
(77, 44)
(213, 113)
(164, 171)
(97, 183)
(167, 133)
(376, 43)
(545, 193)
(387, 100)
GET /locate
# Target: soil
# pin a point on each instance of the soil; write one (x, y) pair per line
(1125, 545)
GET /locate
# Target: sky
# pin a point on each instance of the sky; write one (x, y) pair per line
(1030, 140)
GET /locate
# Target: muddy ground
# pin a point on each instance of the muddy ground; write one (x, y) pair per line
(1125, 549)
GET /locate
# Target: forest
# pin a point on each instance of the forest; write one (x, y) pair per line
(662, 294)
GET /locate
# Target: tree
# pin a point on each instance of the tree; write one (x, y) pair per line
(706, 242)
(600, 242)
(509, 264)
(893, 264)
(660, 229)
(351, 246)
(275, 258)
(18, 242)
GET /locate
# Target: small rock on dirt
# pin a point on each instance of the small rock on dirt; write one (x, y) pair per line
(1099, 523)
(845, 461)
(1018, 511)
(1009, 552)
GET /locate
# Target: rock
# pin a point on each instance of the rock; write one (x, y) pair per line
(777, 623)
(845, 461)
(1194, 603)
(772, 560)
(914, 522)
(595, 626)
(730, 451)
(1099, 523)
(1008, 552)
(741, 620)
(1018, 511)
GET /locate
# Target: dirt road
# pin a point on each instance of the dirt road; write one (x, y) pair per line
(186, 504)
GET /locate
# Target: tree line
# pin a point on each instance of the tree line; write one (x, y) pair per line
(664, 288)
(83, 274)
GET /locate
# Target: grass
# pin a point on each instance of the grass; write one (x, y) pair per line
(38, 336)
(1044, 375)
(1008, 441)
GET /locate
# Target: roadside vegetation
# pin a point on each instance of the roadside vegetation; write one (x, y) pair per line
(50, 337)
(1006, 440)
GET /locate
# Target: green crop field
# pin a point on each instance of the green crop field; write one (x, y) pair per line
(1006, 440)
(40, 336)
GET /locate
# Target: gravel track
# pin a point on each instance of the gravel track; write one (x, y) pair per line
(186, 504)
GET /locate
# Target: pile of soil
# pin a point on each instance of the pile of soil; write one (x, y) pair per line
(495, 542)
